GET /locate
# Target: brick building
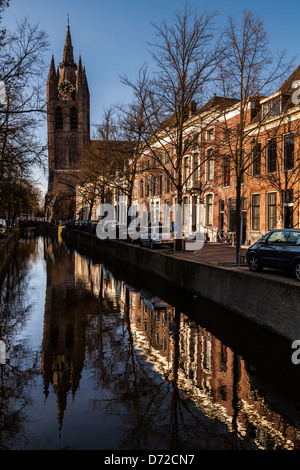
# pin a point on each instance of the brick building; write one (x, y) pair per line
(270, 159)
(270, 176)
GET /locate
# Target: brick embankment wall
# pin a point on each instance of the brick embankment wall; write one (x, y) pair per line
(270, 303)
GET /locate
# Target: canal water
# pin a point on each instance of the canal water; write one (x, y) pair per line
(99, 356)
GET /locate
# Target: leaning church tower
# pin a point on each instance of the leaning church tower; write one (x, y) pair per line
(68, 115)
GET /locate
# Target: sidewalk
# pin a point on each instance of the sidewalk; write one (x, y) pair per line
(214, 253)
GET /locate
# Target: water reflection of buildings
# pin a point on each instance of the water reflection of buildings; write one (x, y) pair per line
(205, 370)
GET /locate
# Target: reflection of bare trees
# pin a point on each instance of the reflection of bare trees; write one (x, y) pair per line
(171, 383)
(154, 378)
(21, 367)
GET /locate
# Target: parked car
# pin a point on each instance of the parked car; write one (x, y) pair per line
(278, 249)
(157, 236)
(113, 226)
(70, 224)
(133, 235)
(92, 226)
(82, 226)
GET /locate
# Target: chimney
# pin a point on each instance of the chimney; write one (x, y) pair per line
(192, 108)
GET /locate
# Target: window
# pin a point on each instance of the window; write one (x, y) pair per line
(168, 156)
(271, 211)
(209, 209)
(232, 215)
(221, 215)
(167, 183)
(278, 237)
(227, 134)
(147, 187)
(272, 107)
(256, 160)
(185, 174)
(141, 188)
(160, 185)
(209, 165)
(255, 205)
(73, 118)
(288, 151)
(226, 171)
(58, 118)
(288, 208)
(210, 134)
(195, 169)
(154, 186)
(271, 155)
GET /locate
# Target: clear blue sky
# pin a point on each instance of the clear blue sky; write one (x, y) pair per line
(112, 36)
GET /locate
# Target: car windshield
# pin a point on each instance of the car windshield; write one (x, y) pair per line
(294, 238)
(278, 237)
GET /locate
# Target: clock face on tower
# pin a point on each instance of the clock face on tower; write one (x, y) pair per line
(65, 89)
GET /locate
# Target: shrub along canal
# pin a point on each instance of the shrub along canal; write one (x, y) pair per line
(100, 356)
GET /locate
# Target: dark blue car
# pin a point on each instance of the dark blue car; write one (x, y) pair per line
(279, 249)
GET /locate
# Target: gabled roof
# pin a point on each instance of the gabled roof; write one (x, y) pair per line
(286, 87)
(217, 102)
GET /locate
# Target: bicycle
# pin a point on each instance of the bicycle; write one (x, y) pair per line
(225, 237)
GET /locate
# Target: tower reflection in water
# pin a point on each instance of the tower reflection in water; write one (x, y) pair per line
(172, 376)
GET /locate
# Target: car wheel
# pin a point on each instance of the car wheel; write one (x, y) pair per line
(253, 263)
(297, 270)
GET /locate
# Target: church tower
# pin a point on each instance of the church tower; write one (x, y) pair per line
(68, 113)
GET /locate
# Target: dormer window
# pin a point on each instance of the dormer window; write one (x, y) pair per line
(272, 107)
(210, 134)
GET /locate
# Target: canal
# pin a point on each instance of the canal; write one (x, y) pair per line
(99, 356)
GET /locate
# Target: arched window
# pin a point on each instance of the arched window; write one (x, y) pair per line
(73, 118)
(58, 118)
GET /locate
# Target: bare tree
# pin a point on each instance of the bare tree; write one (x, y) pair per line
(21, 69)
(249, 70)
(185, 57)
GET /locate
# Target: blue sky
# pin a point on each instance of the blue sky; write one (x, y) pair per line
(112, 36)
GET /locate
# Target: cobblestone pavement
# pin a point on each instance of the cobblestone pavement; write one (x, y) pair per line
(213, 253)
(225, 255)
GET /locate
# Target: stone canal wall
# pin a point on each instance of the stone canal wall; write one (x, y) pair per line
(7, 246)
(272, 304)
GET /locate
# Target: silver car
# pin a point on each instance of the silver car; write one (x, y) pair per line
(157, 236)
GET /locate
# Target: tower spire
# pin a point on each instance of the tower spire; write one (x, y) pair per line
(52, 72)
(68, 58)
